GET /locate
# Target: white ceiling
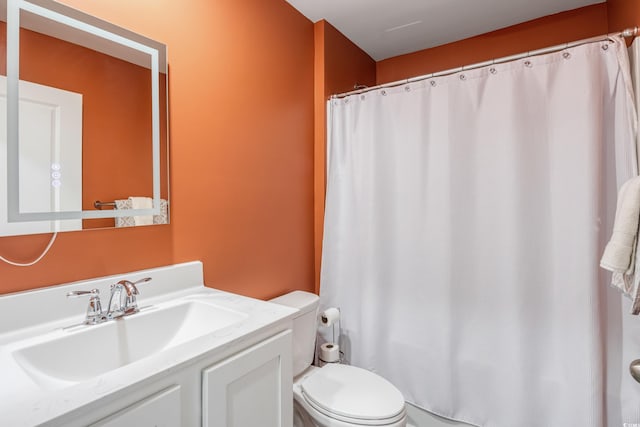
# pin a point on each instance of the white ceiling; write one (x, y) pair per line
(387, 28)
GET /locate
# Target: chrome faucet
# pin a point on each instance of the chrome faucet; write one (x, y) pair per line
(94, 311)
(121, 303)
(123, 298)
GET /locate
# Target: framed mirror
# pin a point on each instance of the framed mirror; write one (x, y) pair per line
(85, 121)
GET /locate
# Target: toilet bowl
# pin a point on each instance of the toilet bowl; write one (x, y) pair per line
(335, 395)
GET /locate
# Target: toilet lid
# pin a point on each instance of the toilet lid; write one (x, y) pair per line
(354, 393)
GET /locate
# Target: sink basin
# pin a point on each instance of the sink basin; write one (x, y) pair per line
(90, 351)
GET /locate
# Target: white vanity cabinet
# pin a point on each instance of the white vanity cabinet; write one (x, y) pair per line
(252, 388)
(250, 385)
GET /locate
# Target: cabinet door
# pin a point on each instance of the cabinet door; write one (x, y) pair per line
(159, 410)
(252, 388)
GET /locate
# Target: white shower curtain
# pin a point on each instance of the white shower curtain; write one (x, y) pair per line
(464, 223)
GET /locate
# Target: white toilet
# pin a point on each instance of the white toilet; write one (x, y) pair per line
(335, 395)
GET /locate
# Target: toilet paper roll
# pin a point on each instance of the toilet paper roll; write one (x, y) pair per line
(329, 316)
(330, 352)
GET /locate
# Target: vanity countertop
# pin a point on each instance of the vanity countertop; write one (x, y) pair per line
(46, 314)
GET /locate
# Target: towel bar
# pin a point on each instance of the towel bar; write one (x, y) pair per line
(99, 205)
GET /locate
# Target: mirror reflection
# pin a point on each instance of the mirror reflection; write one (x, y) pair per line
(89, 127)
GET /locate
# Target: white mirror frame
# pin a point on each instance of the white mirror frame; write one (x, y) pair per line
(78, 20)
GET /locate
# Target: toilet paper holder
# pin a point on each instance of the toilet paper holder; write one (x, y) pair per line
(330, 318)
(330, 353)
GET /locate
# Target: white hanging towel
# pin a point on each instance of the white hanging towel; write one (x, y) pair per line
(142, 203)
(620, 253)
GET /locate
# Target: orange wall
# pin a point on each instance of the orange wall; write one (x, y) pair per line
(241, 132)
(118, 163)
(623, 14)
(543, 32)
(339, 65)
(247, 137)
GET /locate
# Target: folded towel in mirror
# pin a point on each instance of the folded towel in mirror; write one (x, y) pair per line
(124, 221)
(142, 203)
(130, 221)
(163, 218)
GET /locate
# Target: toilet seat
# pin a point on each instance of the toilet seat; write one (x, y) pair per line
(353, 395)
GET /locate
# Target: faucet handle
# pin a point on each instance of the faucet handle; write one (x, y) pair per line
(92, 292)
(94, 310)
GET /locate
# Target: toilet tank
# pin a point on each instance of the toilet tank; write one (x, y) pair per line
(305, 324)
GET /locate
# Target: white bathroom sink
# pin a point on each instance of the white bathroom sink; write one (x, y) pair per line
(55, 370)
(85, 352)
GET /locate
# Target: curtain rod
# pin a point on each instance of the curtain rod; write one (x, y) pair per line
(629, 32)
